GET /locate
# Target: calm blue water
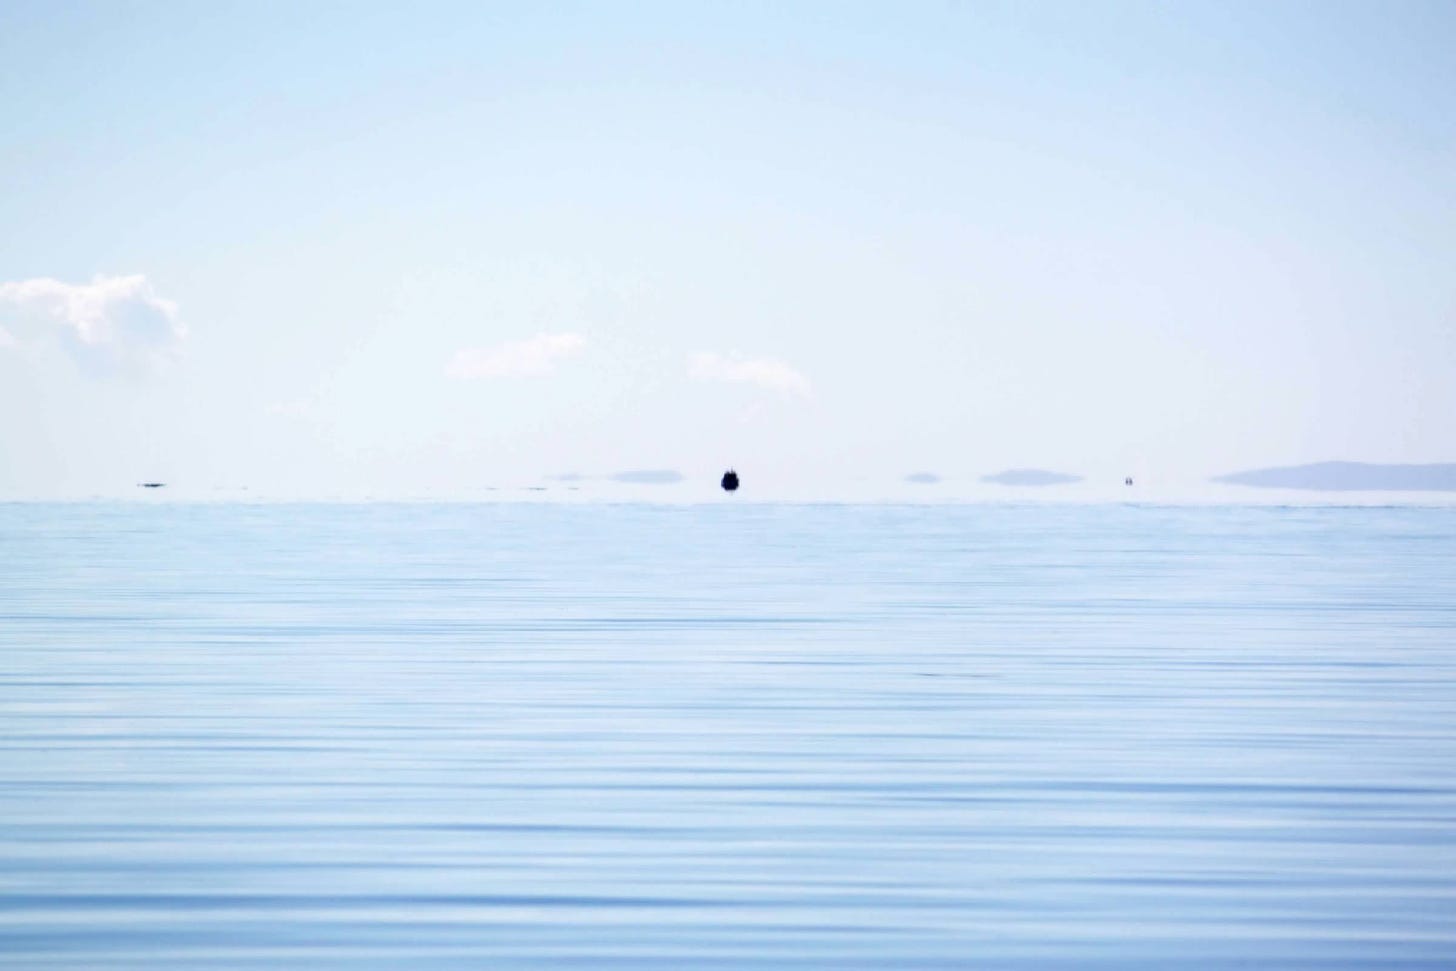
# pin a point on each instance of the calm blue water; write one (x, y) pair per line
(516, 736)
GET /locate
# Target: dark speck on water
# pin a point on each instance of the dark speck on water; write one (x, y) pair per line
(730, 480)
(726, 736)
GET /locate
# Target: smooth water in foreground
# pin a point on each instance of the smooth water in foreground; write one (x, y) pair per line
(510, 736)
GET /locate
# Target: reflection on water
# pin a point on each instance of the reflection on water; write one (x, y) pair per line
(832, 737)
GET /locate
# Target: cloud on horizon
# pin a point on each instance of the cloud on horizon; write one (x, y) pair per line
(770, 373)
(533, 357)
(112, 323)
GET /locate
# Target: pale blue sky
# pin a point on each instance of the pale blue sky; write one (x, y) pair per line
(420, 249)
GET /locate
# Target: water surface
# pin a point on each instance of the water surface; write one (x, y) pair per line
(519, 736)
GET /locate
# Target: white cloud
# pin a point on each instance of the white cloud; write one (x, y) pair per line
(113, 321)
(764, 372)
(532, 357)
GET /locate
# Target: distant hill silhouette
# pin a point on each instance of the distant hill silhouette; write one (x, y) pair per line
(1030, 477)
(1350, 477)
(649, 476)
(922, 478)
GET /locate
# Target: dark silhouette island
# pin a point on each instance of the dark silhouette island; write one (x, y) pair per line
(1030, 477)
(1350, 477)
(730, 481)
(151, 485)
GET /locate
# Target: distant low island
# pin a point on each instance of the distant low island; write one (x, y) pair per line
(629, 476)
(1350, 477)
(649, 476)
(922, 478)
(1031, 477)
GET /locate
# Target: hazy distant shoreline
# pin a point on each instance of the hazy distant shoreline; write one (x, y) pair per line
(1316, 484)
(1349, 477)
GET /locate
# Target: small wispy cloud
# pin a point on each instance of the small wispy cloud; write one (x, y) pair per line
(535, 356)
(766, 372)
(111, 322)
